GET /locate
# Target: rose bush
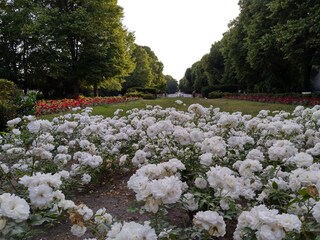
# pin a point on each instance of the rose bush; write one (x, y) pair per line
(57, 106)
(260, 173)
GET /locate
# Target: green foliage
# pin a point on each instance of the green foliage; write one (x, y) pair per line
(147, 72)
(159, 80)
(143, 90)
(215, 95)
(57, 45)
(213, 64)
(271, 47)
(145, 93)
(7, 112)
(8, 91)
(142, 74)
(134, 94)
(231, 88)
(185, 84)
(149, 96)
(172, 84)
(14, 103)
(8, 108)
(206, 90)
(198, 76)
(27, 103)
(225, 88)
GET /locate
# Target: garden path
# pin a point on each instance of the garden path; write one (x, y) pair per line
(113, 195)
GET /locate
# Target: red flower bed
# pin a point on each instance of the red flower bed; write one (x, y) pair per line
(305, 101)
(56, 106)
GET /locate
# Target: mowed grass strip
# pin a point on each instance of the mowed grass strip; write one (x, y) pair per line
(226, 105)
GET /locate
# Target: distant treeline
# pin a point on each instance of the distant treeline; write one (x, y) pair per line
(272, 46)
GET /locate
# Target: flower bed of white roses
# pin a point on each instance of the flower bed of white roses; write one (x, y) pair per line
(259, 174)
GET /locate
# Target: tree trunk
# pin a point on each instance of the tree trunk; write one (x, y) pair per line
(95, 90)
(307, 67)
(307, 75)
(76, 89)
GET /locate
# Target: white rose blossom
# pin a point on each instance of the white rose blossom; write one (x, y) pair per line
(210, 221)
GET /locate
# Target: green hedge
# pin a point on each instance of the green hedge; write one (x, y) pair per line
(141, 94)
(149, 96)
(226, 88)
(143, 90)
(215, 95)
(134, 94)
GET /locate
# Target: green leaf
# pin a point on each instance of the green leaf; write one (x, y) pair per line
(132, 209)
(275, 186)
(303, 192)
(38, 219)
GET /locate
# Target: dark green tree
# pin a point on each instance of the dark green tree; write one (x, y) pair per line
(234, 51)
(65, 43)
(172, 84)
(198, 76)
(186, 84)
(276, 74)
(148, 70)
(213, 64)
(298, 32)
(15, 45)
(158, 80)
(142, 75)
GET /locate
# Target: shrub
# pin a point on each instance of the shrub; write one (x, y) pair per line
(215, 95)
(133, 94)
(14, 103)
(206, 90)
(7, 112)
(8, 90)
(9, 95)
(27, 104)
(143, 90)
(225, 88)
(149, 96)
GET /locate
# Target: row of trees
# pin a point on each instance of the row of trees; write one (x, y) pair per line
(61, 46)
(272, 46)
(148, 70)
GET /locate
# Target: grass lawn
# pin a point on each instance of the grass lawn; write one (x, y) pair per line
(227, 105)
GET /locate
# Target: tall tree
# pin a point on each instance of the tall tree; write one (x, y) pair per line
(213, 64)
(158, 80)
(142, 75)
(68, 42)
(235, 52)
(298, 32)
(198, 76)
(186, 84)
(14, 44)
(172, 84)
(264, 54)
(148, 70)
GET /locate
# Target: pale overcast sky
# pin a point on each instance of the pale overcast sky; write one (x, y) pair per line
(179, 32)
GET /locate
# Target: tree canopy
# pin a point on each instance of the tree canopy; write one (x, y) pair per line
(148, 70)
(272, 46)
(59, 46)
(172, 84)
